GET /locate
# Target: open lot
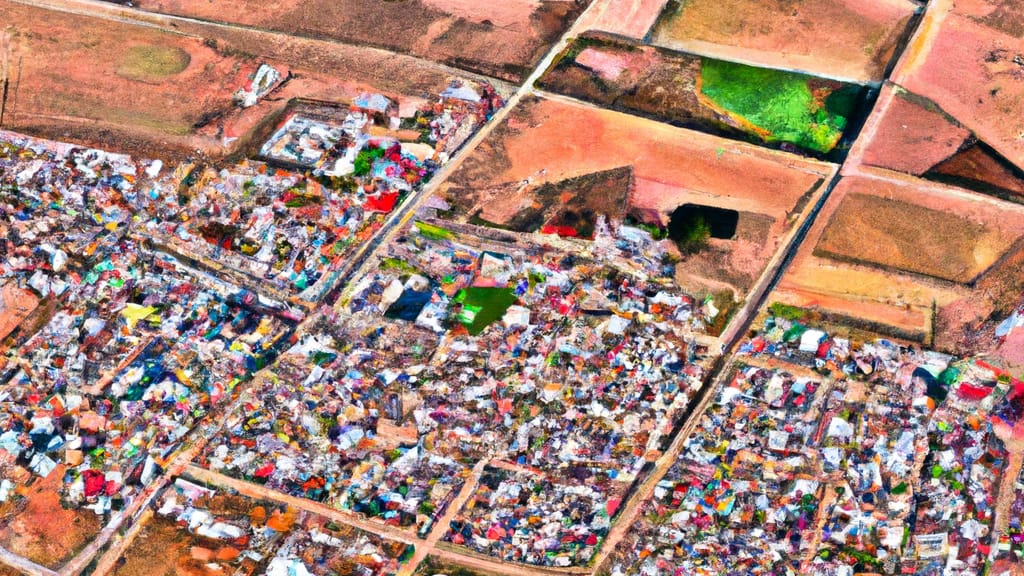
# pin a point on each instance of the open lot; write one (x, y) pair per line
(629, 19)
(165, 88)
(909, 237)
(944, 150)
(920, 258)
(846, 39)
(547, 142)
(501, 39)
(36, 526)
(81, 73)
(986, 93)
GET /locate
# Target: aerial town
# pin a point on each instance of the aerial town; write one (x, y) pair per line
(517, 288)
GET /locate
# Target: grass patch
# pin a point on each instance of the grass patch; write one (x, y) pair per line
(400, 266)
(481, 306)
(783, 104)
(435, 233)
(780, 310)
(153, 62)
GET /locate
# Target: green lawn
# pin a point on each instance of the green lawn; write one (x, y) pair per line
(482, 306)
(781, 103)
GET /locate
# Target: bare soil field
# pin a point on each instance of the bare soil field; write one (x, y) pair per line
(500, 39)
(121, 86)
(41, 530)
(848, 39)
(943, 149)
(901, 122)
(629, 19)
(16, 304)
(83, 72)
(985, 94)
(160, 548)
(547, 140)
(893, 250)
(911, 238)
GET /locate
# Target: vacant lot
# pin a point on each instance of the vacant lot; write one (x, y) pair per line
(78, 71)
(986, 93)
(910, 238)
(38, 528)
(914, 255)
(848, 39)
(501, 39)
(549, 146)
(632, 19)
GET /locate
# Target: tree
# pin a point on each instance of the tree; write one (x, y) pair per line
(695, 235)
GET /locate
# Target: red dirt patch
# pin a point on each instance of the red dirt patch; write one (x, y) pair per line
(909, 237)
(630, 19)
(42, 530)
(92, 71)
(886, 236)
(548, 140)
(909, 136)
(16, 304)
(986, 93)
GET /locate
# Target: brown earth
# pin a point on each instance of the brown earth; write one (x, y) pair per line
(909, 134)
(158, 550)
(630, 19)
(1003, 15)
(634, 78)
(737, 262)
(157, 117)
(986, 92)
(847, 39)
(79, 71)
(910, 238)
(45, 532)
(501, 39)
(16, 304)
(574, 202)
(979, 169)
(905, 300)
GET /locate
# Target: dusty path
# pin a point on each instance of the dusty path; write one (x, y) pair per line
(25, 566)
(440, 527)
(1007, 489)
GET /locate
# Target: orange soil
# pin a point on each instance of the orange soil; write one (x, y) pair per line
(73, 68)
(631, 19)
(502, 39)
(985, 94)
(898, 126)
(849, 39)
(890, 297)
(550, 139)
(44, 532)
(16, 304)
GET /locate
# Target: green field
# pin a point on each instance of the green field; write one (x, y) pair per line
(781, 103)
(482, 306)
